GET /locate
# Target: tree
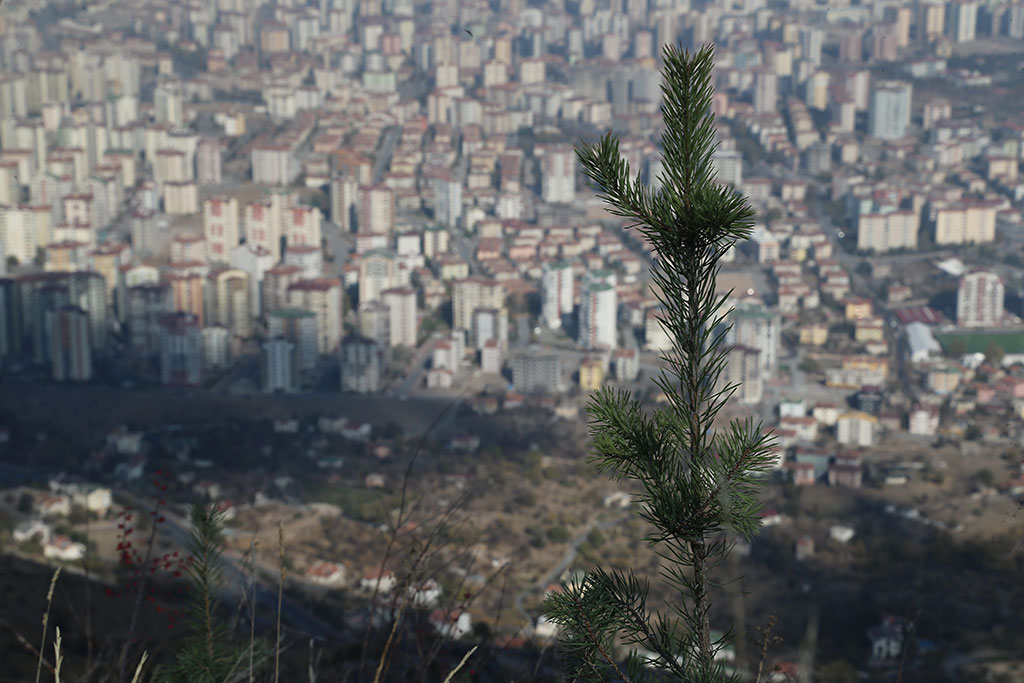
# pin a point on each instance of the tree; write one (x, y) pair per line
(697, 484)
(994, 353)
(957, 347)
(209, 654)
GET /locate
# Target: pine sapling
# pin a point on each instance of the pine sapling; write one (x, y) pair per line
(698, 483)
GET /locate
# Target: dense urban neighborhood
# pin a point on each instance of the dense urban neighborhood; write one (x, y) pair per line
(335, 269)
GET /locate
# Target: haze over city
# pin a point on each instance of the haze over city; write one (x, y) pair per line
(335, 269)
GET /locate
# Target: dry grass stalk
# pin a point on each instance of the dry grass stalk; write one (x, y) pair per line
(46, 622)
(138, 670)
(280, 597)
(58, 659)
(465, 659)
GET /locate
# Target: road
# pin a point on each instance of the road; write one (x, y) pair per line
(246, 366)
(236, 580)
(413, 376)
(567, 559)
(386, 149)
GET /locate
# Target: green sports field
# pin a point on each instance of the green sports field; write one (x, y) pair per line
(977, 342)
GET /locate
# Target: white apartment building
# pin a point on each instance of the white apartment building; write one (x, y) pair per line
(558, 173)
(979, 300)
(557, 293)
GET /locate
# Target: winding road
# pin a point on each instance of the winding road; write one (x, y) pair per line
(567, 559)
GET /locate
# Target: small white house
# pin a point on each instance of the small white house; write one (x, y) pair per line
(31, 529)
(64, 549)
(545, 629)
(382, 582)
(331, 425)
(826, 413)
(886, 640)
(840, 533)
(924, 420)
(54, 506)
(856, 428)
(286, 426)
(792, 407)
(617, 499)
(357, 431)
(453, 624)
(425, 594)
(93, 498)
(326, 574)
(124, 442)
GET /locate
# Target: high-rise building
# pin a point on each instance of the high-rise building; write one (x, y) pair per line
(851, 46)
(145, 306)
(360, 365)
(556, 293)
(970, 222)
(148, 233)
(447, 201)
(979, 300)
(889, 114)
(307, 257)
(490, 324)
(881, 232)
(376, 274)
(220, 227)
(187, 294)
(255, 262)
(376, 209)
(181, 350)
(728, 165)
(401, 303)
(227, 301)
(209, 153)
(280, 373)
(435, 241)
(216, 351)
(264, 224)
(931, 20)
(816, 90)
(322, 296)
(962, 20)
(558, 173)
(597, 318)
(766, 90)
(344, 193)
(811, 40)
(375, 322)
(70, 349)
(472, 293)
(537, 372)
(743, 368)
(302, 226)
(274, 164)
(299, 327)
(755, 327)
